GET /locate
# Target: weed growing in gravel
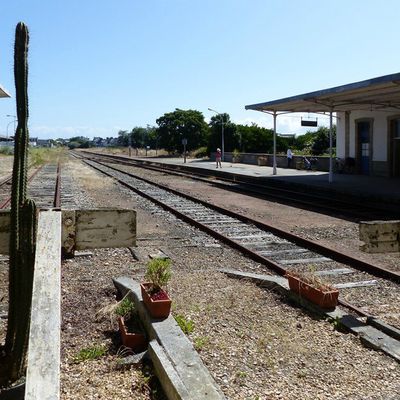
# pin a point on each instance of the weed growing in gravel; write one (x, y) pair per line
(90, 353)
(200, 342)
(301, 373)
(187, 325)
(240, 377)
(337, 324)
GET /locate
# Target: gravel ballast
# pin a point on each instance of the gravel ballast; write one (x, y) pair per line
(254, 342)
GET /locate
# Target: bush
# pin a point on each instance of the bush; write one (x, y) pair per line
(201, 152)
(6, 150)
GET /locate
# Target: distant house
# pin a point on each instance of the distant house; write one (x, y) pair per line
(99, 142)
(6, 141)
(44, 143)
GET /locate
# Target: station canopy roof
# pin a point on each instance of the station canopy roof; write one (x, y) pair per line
(382, 93)
(3, 92)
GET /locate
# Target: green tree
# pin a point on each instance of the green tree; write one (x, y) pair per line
(215, 137)
(255, 139)
(321, 141)
(181, 124)
(79, 142)
(123, 138)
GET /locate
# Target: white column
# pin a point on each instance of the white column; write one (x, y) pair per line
(330, 148)
(274, 161)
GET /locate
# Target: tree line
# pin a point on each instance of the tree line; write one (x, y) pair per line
(204, 137)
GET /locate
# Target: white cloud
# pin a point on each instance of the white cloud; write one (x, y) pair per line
(285, 123)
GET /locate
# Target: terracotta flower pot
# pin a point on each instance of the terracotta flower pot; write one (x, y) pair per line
(324, 297)
(157, 308)
(136, 341)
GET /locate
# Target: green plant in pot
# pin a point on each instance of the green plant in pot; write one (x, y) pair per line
(236, 156)
(154, 294)
(132, 335)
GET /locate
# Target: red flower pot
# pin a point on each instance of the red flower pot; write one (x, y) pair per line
(157, 308)
(136, 341)
(324, 297)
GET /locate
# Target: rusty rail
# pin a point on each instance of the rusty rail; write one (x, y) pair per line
(6, 202)
(57, 194)
(309, 244)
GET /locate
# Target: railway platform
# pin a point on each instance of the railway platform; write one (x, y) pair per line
(376, 189)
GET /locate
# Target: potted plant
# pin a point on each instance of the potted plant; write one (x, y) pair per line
(236, 156)
(154, 295)
(129, 326)
(312, 288)
(262, 160)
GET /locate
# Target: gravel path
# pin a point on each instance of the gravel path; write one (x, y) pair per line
(256, 345)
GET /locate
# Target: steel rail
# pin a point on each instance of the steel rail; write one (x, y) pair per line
(6, 180)
(309, 244)
(354, 262)
(309, 201)
(5, 203)
(57, 194)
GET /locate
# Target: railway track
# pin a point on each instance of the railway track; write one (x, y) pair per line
(352, 208)
(278, 250)
(44, 186)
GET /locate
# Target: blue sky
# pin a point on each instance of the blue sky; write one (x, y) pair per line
(98, 66)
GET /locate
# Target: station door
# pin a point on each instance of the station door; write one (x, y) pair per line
(395, 148)
(363, 130)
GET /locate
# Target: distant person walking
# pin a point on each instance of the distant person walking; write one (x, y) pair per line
(218, 158)
(289, 156)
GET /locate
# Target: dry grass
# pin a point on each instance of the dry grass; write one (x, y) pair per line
(90, 180)
(40, 155)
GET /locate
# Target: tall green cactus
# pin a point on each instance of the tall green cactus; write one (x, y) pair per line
(22, 228)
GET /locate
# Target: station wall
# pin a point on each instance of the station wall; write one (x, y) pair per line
(347, 141)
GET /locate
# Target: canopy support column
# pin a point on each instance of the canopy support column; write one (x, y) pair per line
(274, 160)
(330, 146)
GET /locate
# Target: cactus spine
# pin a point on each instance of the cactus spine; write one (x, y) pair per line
(22, 227)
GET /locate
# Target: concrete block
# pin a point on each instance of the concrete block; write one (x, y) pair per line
(380, 236)
(170, 380)
(380, 247)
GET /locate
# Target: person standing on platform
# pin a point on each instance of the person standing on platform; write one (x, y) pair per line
(289, 156)
(218, 158)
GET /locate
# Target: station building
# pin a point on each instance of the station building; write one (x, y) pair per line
(367, 117)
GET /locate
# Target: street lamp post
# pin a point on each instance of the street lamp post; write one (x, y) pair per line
(15, 120)
(222, 133)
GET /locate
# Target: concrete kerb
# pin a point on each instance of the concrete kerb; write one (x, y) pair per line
(370, 336)
(179, 368)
